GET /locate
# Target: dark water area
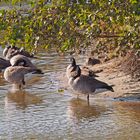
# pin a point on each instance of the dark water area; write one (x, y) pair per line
(41, 112)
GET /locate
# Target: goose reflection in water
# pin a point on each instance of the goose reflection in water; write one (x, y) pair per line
(79, 109)
(21, 99)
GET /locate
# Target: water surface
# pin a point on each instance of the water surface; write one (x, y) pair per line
(46, 111)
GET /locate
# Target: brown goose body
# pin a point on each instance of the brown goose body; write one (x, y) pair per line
(87, 85)
(21, 66)
(15, 75)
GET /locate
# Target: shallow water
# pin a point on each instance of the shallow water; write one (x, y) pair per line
(45, 111)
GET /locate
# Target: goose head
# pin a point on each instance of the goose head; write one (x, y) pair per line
(73, 62)
(11, 51)
(71, 69)
(76, 69)
(5, 51)
(22, 51)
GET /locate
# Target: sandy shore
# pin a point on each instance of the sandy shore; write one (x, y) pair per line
(124, 86)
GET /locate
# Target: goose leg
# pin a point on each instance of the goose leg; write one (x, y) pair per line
(23, 82)
(20, 86)
(88, 97)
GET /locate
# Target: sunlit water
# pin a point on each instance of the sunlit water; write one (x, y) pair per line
(44, 111)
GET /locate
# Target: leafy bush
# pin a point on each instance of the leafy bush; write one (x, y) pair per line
(72, 24)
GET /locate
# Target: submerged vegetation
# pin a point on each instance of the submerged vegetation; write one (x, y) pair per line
(71, 24)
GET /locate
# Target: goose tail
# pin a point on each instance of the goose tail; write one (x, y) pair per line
(37, 71)
(109, 88)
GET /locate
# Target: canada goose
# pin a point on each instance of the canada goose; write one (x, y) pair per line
(15, 73)
(71, 70)
(17, 59)
(87, 85)
(11, 51)
(20, 60)
(92, 61)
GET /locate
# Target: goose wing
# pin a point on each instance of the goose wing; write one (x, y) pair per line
(82, 84)
(21, 70)
(86, 84)
(18, 58)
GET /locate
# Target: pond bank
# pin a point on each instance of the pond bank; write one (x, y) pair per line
(126, 88)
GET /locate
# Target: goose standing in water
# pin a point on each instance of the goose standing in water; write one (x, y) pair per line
(15, 73)
(85, 84)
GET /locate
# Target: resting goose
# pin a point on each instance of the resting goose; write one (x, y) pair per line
(11, 51)
(15, 59)
(85, 84)
(15, 73)
(21, 60)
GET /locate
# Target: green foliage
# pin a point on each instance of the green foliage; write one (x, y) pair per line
(72, 24)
